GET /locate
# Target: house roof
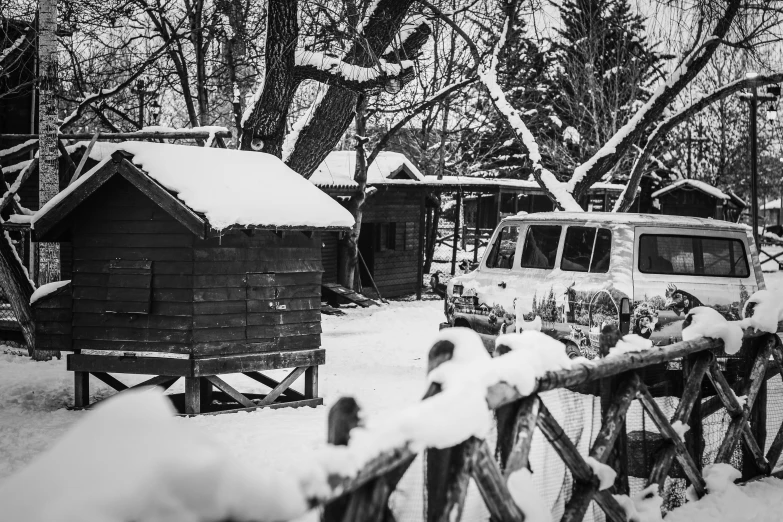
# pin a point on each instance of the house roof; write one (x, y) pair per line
(205, 188)
(771, 205)
(691, 184)
(337, 170)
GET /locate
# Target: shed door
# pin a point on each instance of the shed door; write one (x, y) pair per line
(263, 306)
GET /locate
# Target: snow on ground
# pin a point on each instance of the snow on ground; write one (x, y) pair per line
(377, 355)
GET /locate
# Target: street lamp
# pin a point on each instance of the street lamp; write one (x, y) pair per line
(754, 97)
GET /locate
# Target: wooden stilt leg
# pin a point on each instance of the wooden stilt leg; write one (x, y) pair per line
(206, 394)
(81, 390)
(192, 395)
(311, 382)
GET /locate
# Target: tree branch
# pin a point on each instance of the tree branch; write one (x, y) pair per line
(628, 195)
(614, 149)
(333, 71)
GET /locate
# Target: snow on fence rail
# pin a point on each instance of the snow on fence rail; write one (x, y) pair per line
(465, 383)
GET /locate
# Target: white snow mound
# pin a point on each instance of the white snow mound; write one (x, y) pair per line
(763, 311)
(708, 322)
(130, 459)
(47, 289)
(605, 474)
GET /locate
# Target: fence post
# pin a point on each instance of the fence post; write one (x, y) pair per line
(618, 458)
(694, 440)
(458, 204)
(758, 412)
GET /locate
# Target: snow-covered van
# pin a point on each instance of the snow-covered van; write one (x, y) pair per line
(580, 271)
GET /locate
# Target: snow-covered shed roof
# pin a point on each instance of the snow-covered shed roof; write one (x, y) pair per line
(771, 205)
(221, 188)
(469, 182)
(693, 184)
(338, 169)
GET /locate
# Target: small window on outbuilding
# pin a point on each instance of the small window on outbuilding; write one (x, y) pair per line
(386, 237)
(129, 287)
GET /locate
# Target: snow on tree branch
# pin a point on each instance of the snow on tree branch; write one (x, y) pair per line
(333, 70)
(628, 195)
(14, 46)
(607, 156)
(557, 191)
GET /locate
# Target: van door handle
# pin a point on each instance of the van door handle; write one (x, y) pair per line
(502, 284)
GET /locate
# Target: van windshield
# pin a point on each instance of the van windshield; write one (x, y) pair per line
(692, 255)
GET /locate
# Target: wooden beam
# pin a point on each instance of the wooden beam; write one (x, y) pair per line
(161, 381)
(192, 395)
(78, 171)
(516, 423)
(230, 391)
(110, 380)
(81, 391)
(23, 176)
(70, 165)
(182, 134)
(280, 388)
(268, 381)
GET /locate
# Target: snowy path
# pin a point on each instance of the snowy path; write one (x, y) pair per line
(377, 355)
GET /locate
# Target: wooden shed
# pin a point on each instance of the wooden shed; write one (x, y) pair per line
(691, 197)
(389, 241)
(189, 262)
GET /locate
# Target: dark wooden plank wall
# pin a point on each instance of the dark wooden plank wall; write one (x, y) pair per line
(395, 271)
(53, 317)
(119, 222)
(232, 312)
(329, 252)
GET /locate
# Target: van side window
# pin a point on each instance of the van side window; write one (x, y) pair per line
(502, 253)
(586, 248)
(541, 246)
(692, 255)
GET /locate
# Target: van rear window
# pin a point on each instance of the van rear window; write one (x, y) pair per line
(692, 255)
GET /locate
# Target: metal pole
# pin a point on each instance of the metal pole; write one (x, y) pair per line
(754, 202)
(457, 205)
(477, 232)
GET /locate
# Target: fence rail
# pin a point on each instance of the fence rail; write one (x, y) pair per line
(365, 495)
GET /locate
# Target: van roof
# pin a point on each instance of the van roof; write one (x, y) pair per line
(628, 218)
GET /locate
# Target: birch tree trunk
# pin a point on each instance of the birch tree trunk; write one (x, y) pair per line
(48, 170)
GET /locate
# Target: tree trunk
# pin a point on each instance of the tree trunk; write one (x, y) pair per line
(48, 168)
(347, 270)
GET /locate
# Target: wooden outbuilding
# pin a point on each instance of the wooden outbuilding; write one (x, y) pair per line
(390, 237)
(189, 263)
(694, 198)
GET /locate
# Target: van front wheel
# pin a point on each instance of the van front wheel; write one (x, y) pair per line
(572, 351)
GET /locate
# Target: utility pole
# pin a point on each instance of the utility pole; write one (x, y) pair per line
(142, 92)
(753, 98)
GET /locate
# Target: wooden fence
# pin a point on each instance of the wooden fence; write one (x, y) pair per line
(618, 380)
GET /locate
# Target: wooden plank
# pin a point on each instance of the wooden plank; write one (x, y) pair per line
(216, 307)
(271, 332)
(219, 320)
(132, 321)
(176, 208)
(157, 254)
(192, 395)
(294, 304)
(218, 334)
(255, 279)
(283, 317)
(312, 403)
(133, 280)
(261, 345)
(124, 364)
(283, 386)
(228, 254)
(212, 365)
(92, 306)
(272, 383)
(346, 293)
(230, 391)
(83, 161)
(129, 227)
(219, 294)
(151, 335)
(116, 345)
(110, 380)
(125, 240)
(160, 381)
(219, 281)
(241, 267)
(162, 267)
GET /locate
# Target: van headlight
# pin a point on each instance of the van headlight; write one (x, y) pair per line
(457, 290)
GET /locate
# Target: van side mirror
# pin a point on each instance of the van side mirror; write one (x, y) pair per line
(473, 265)
(625, 316)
